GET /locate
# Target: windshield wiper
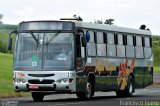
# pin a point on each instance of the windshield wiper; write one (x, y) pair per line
(37, 41)
(53, 37)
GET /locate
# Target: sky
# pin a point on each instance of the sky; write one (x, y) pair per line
(127, 13)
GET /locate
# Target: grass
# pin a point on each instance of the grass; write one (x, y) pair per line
(6, 75)
(156, 69)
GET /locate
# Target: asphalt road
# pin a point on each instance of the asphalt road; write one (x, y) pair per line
(141, 97)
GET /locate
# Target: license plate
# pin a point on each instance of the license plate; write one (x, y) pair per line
(33, 87)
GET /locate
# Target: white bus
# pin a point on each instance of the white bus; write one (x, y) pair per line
(82, 58)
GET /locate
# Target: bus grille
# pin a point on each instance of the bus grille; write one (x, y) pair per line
(41, 82)
(41, 75)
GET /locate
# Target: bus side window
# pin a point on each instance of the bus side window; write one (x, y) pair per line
(129, 47)
(111, 48)
(91, 49)
(147, 41)
(101, 46)
(121, 52)
(138, 41)
(92, 37)
(147, 48)
(139, 47)
(91, 45)
(100, 37)
(110, 38)
(120, 39)
(129, 40)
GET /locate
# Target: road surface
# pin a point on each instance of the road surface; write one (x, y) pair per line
(142, 97)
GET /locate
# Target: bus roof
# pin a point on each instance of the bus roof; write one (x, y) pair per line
(111, 28)
(103, 27)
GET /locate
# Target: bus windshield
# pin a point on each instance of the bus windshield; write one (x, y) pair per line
(44, 51)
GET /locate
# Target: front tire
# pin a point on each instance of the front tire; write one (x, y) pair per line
(37, 97)
(88, 92)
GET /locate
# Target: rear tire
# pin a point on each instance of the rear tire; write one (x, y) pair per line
(37, 97)
(120, 93)
(128, 92)
(130, 87)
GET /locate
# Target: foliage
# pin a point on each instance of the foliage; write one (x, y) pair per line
(156, 50)
(4, 36)
(8, 27)
(1, 16)
(3, 47)
(98, 21)
(156, 69)
(109, 21)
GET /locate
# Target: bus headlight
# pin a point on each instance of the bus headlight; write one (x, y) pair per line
(20, 80)
(62, 80)
(65, 80)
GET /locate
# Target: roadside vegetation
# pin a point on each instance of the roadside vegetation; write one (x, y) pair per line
(157, 69)
(6, 76)
(6, 63)
(4, 35)
(156, 52)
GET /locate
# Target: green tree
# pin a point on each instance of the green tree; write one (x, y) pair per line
(1, 16)
(98, 21)
(156, 50)
(109, 21)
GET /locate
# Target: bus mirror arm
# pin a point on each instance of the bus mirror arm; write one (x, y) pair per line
(83, 38)
(10, 39)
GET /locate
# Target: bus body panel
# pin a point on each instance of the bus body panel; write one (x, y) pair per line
(112, 73)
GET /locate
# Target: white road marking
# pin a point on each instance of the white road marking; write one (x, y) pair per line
(140, 91)
(146, 90)
(66, 104)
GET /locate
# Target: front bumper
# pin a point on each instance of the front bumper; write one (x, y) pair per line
(46, 81)
(55, 87)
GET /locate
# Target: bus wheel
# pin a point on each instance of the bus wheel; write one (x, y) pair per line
(128, 92)
(130, 87)
(37, 97)
(88, 92)
(120, 93)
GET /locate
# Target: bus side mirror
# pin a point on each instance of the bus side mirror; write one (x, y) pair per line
(84, 41)
(10, 39)
(10, 44)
